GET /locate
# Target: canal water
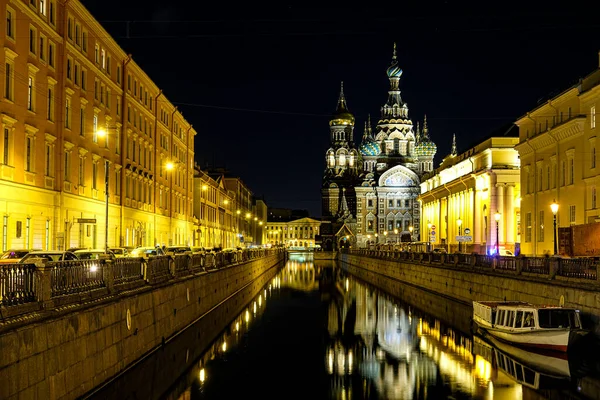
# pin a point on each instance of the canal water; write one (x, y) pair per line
(315, 332)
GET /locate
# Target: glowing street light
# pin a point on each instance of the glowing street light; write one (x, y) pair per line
(554, 208)
(497, 218)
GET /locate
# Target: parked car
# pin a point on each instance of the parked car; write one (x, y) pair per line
(507, 253)
(119, 251)
(14, 255)
(49, 255)
(440, 250)
(172, 250)
(146, 252)
(93, 254)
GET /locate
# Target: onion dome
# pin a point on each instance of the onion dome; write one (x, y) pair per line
(370, 148)
(394, 70)
(426, 149)
(342, 116)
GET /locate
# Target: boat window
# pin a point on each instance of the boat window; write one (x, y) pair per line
(510, 321)
(520, 373)
(529, 376)
(519, 320)
(528, 320)
(557, 319)
(500, 318)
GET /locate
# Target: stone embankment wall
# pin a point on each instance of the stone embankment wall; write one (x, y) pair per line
(466, 284)
(81, 346)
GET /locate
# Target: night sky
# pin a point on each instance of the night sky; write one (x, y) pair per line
(260, 82)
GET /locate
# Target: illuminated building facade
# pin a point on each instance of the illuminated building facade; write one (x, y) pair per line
(74, 107)
(374, 190)
(558, 150)
(298, 233)
(464, 194)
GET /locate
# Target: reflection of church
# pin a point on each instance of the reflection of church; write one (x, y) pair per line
(373, 189)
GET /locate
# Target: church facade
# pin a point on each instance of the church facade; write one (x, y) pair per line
(373, 187)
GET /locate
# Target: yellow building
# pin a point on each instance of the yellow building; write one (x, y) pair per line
(298, 233)
(76, 112)
(557, 146)
(464, 194)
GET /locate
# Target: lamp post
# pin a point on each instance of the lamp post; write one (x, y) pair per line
(385, 237)
(554, 208)
(497, 218)
(396, 233)
(104, 133)
(459, 223)
(411, 229)
(429, 225)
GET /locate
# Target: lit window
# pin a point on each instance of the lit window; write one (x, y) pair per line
(593, 117)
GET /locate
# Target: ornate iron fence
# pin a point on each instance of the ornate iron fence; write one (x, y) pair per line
(17, 284)
(536, 265)
(68, 277)
(127, 269)
(584, 268)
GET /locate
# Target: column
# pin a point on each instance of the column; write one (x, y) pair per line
(477, 230)
(500, 206)
(510, 213)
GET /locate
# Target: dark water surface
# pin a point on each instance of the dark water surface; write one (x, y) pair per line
(308, 338)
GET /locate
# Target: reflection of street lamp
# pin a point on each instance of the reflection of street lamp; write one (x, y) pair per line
(396, 233)
(385, 237)
(554, 208)
(459, 223)
(376, 238)
(497, 218)
(411, 229)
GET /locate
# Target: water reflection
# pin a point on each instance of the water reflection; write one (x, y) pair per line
(376, 346)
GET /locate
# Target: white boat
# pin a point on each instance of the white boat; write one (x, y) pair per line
(529, 325)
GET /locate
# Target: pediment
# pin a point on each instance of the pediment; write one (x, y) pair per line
(399, 176)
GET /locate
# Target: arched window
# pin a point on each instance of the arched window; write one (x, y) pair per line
(351, 160)
(342, 160)
(331, 160)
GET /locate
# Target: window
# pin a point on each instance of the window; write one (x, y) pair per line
(107, 99)
(94, 175)
(571, 171)
(369, 203)
(81, 171)
(69, 69)
(10, 23)
(572, 215)
(593, 197)
(592, 117)
(97, 53)
(76, 74)
(77, 34)
(29, 154)
(540, 178)
(82, 121)
(30, 90)
(47, 231)
(528, 227)
(27, 233)
(84, 37)
(83, 79)
(96, 89)
(48, 164)
(52, 12)
(67, 165)
(68, 113)
(43, 7)
(594, 157)
(32, 40)
(6, 141)
(541, 227)
(118, 105)
(95, 129)
(51, 54)
(42, 48)
(564, 173)
(390, 203)
(129, 82)
(8, 81)
(108, 64)
(103, 59)
(119, 74)
(547, 177)
(70, 28)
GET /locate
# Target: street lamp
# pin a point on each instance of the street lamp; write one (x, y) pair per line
(396, 233)
(554, 208)
(459, 223)
(429, 225)
(497, 218)
(104, 133)
(411, 229)
(385, 237)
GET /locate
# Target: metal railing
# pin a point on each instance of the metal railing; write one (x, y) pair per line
(51, 283)
(68, 277)
(579, 268)
(17, 284)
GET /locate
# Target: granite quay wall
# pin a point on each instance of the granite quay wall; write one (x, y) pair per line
(171, 369)
(88, 320)
(467, 277)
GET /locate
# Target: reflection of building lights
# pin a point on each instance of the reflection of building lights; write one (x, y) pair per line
(483, 368)
(202, 375)
(260, 301)
(247, 316)
(237, 326)
(330, 362)
(224, 347)
(347, 284)
(350, 361)
(93, 268)
(254, 307)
